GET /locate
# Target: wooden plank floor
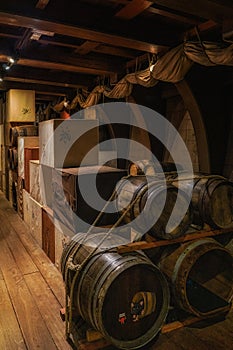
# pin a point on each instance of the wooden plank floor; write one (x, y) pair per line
(32, 292)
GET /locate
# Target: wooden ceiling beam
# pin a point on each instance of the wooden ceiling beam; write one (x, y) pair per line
(203, 27)
(44, 82)
(62, 67)
(133, 9)
(207, 9)
(86, 47)
(41, 4)
(79, 32)
(163, 13)
(114, 51)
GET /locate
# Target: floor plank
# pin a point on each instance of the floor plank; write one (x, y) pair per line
(49, 308)
(24, 260)
(32, 325)
(11, 337)
(43, 263)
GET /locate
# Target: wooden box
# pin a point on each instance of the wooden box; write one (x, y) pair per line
(25, 142)
(26, 207)
(41, 183)
(1, 134)
(64, 143)
(62, 236)
(35, 210)
(68, 203)
(29, 154)
(48, 233)
(20, 105)
(19, 189)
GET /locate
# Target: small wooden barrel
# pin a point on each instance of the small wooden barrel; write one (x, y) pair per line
(23, 130)
(212, 199)
(126, 298)
(149, 199)
(149, 168)
(200, 274)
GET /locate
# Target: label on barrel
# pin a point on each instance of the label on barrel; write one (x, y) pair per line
(122, 318)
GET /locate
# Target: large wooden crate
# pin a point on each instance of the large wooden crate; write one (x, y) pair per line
(41, 183)
(64, 143)
(20, 105)
(68, 203)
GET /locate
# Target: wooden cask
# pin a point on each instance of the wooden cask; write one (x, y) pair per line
(124, 297)
(200, 274)
(151, 205)
(20, 105)
(69, 204)
(64, 143)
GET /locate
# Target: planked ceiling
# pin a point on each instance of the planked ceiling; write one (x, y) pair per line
(60, 46)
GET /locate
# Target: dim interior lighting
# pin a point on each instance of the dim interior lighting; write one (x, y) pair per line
(11, 60)
(6, 66)
(1, 79)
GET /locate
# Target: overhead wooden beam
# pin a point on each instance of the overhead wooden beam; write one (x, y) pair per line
(62, 67)
(115, 51)
(44, 82)
(41, 4)
(133, 9)
(204, 9)
(203, 27)
(79, 32)
(23, 41)
(12, 36)
(87, 47)
(163, 12)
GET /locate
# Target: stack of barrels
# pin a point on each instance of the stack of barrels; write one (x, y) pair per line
(127, 297)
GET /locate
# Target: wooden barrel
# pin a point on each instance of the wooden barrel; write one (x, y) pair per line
(149, 168)
(200, 274)
(23, 130)
(126, 298)
(212, 199)
(15, 157)
(149, 199)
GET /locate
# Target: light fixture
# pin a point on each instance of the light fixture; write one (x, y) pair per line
(11, 60)
(1, 79)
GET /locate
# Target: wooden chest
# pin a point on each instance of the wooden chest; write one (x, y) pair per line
(25, 142)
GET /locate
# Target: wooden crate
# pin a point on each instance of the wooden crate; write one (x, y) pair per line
(26, 207)
(68, 203)
(48, 233)
(29, 154)
(34, 180)
(41, 183)
(62, 236)
(19, 189)
(35, 211)
(62, 143)
(25, 142)
(20, 105)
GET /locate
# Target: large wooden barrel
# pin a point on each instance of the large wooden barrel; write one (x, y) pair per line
(125, 297)
(200, 274)
(149, 198)
(212, 199)
(23, 130)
